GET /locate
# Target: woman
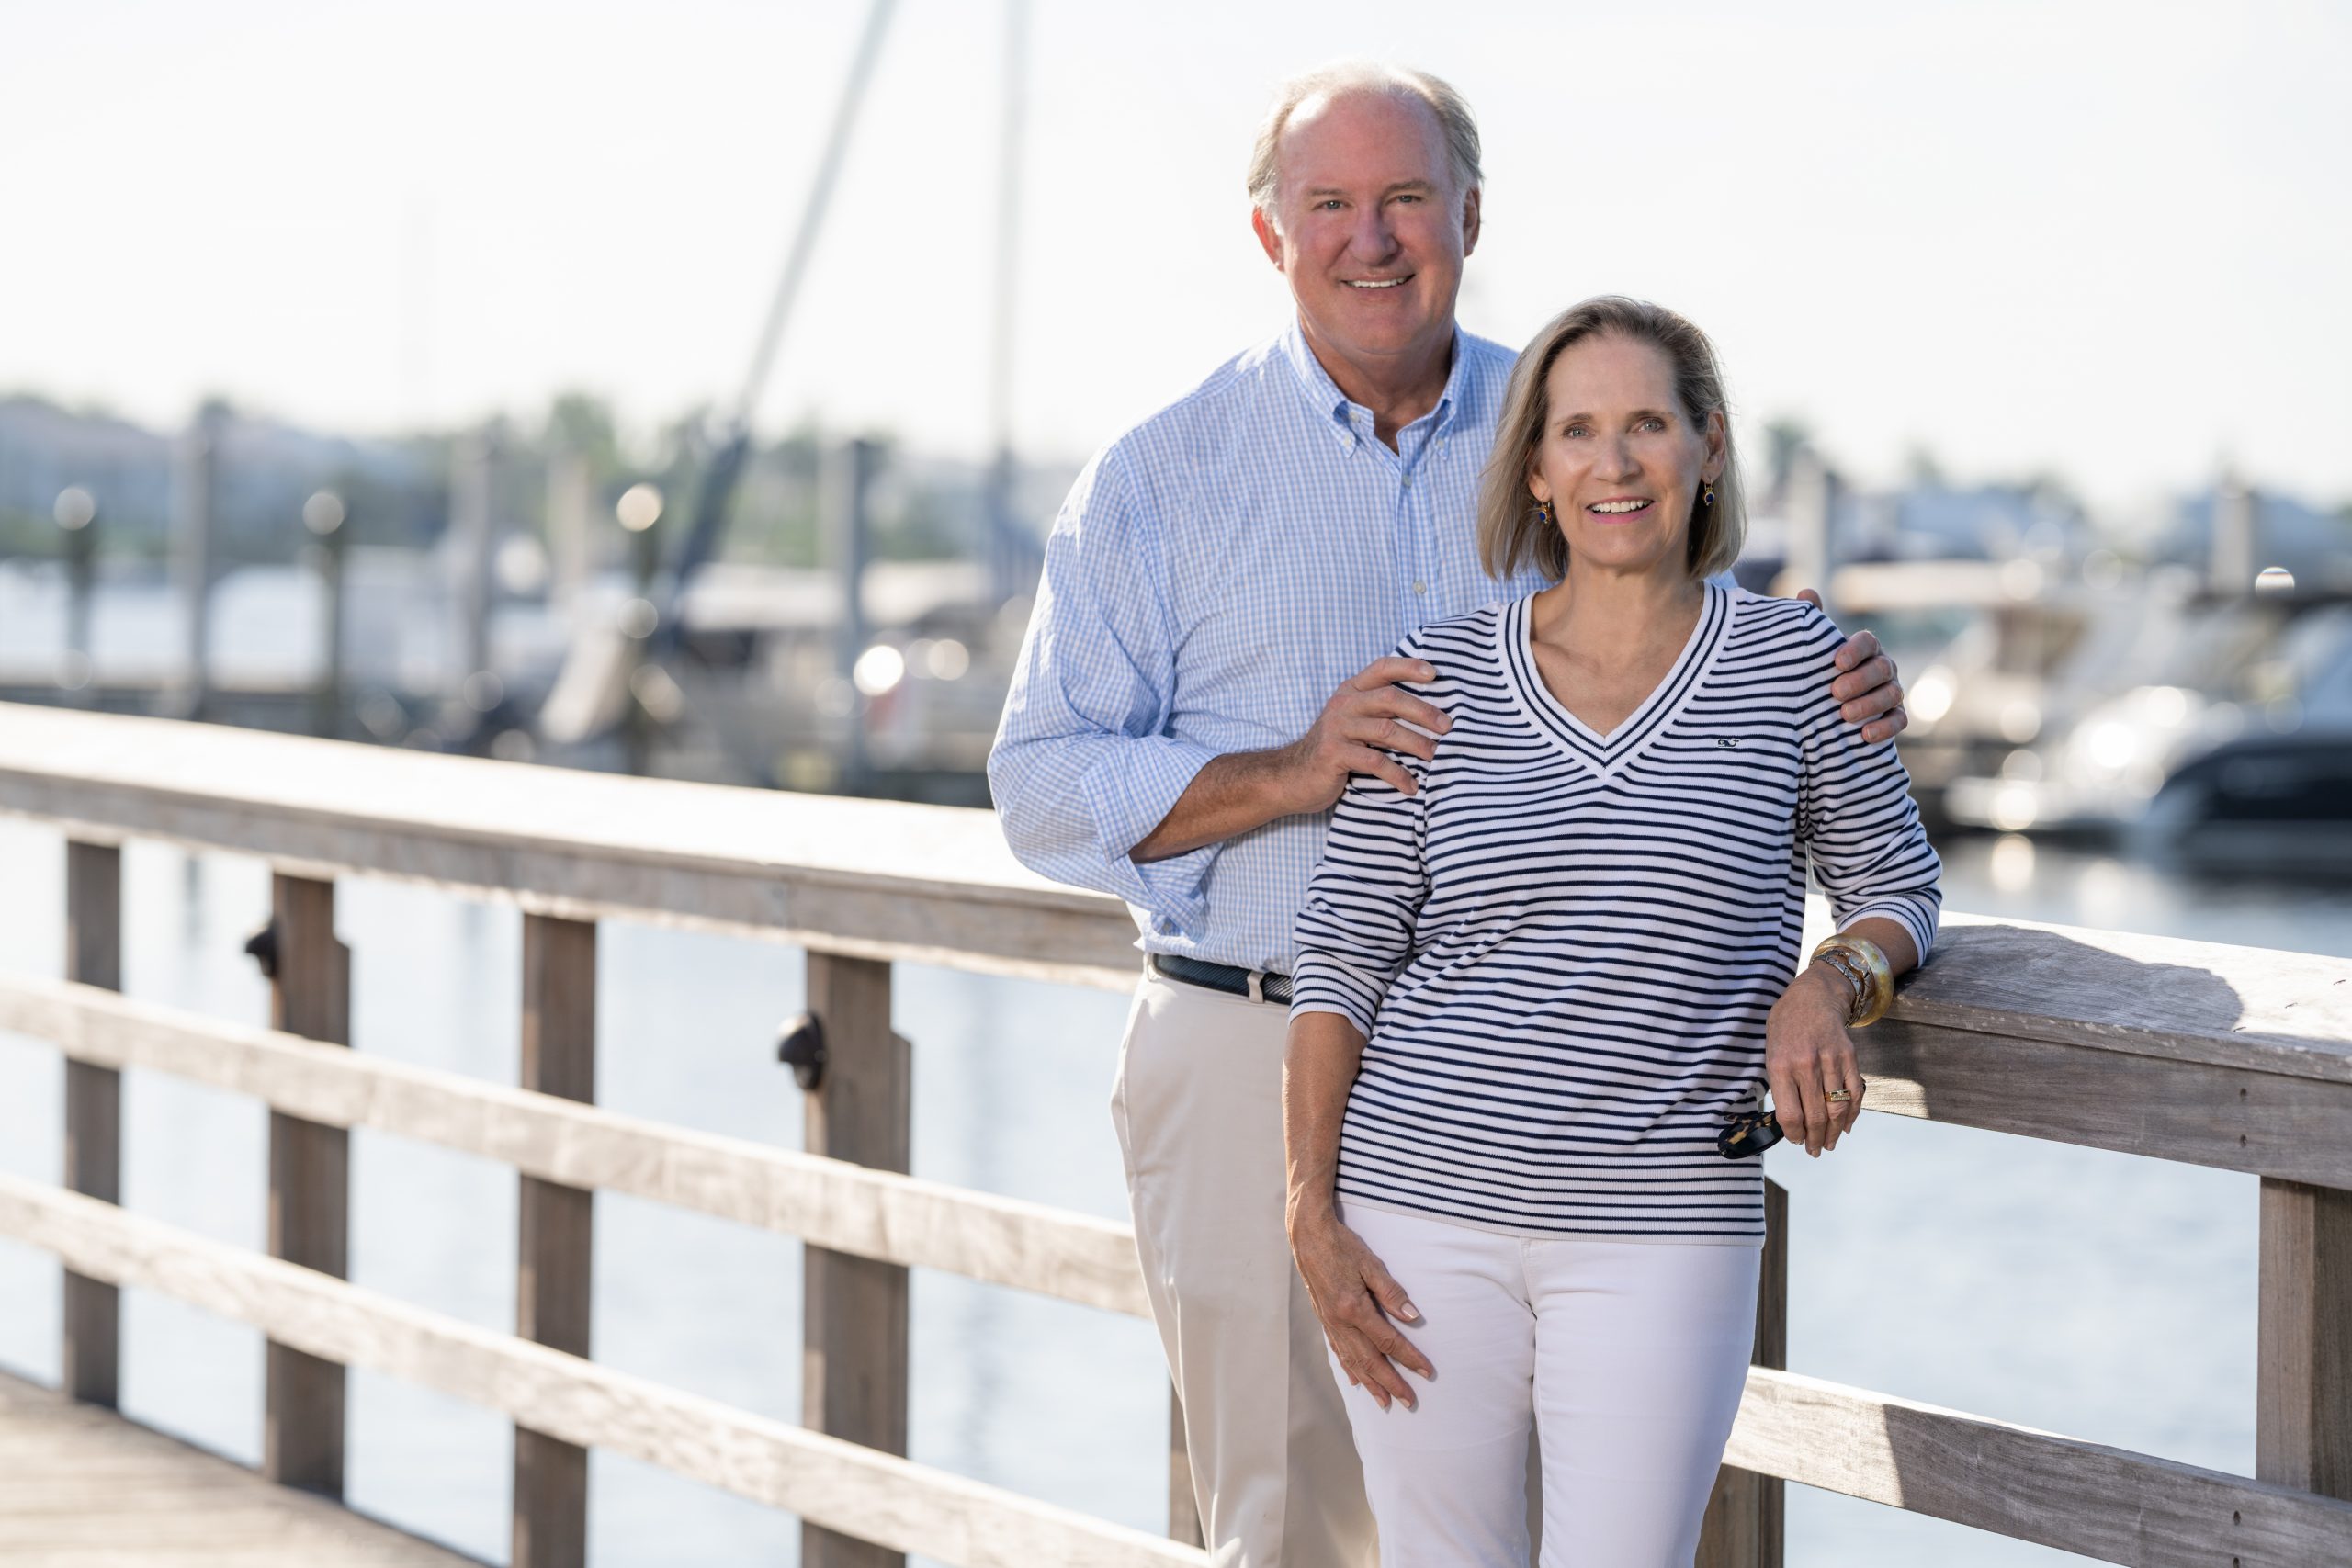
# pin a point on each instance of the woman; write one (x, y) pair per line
(1534, 988)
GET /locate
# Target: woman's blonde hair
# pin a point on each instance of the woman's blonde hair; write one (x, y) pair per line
(1511, 531)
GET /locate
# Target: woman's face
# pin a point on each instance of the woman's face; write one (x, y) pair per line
(1619, 463)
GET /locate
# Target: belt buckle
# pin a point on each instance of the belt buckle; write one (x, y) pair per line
(1257, 985)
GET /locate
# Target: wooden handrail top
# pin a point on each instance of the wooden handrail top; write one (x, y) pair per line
(504, 805)
(937, 885)
(869, 878)
(2253, 1008)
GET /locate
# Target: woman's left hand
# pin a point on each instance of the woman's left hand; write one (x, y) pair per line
(1808, 1054)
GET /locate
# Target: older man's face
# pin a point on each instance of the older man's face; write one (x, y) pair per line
(1373, 233)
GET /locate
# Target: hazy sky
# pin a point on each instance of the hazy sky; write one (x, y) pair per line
(2113, 241)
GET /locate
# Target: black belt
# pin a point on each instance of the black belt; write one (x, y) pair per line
(1258, 984)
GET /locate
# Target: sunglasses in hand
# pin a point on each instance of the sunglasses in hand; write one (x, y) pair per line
(1750, 1133)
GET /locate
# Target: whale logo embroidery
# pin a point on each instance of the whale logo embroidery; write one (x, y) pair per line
(1726, 740)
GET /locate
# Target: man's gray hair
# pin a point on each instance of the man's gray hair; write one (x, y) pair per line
(1344, 78)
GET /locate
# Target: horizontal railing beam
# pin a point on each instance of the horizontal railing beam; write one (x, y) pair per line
(2103, 1503)
(831, 1203)
(2256, 1007)
(875, 1496)
(2292, 1127)
(2235, 1117)
(936, 884)
(866, 879)
(2100, 1502)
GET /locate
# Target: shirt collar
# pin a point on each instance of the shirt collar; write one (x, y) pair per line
(1324, 396)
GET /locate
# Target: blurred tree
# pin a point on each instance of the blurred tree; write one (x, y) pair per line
(917, 528)
(775, 506)
(23, 532)
(583, 422)
(1783, 437)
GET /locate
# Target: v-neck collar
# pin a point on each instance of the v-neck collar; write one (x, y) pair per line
(1608, 755)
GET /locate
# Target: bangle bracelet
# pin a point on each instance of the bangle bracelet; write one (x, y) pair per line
(1879, 975)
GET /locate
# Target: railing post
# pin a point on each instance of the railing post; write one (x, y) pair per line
(1183, 1508)
(93, 1332)
(2302, 1424)
(853, 1361)
(555, 1229)
(1745, 1526)
(310, 1185)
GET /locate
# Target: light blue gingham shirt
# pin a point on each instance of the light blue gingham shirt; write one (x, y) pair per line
(1215, 575)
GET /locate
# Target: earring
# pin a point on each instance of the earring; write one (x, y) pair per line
(1543, 513)
(1708, 499)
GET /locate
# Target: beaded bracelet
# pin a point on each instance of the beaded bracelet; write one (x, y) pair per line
(1876, 976)
(1858, 981)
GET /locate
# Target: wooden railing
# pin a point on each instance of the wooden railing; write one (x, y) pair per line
(2222, 1056)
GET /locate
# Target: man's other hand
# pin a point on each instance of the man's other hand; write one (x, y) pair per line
(1867, 692)
(1365, 719)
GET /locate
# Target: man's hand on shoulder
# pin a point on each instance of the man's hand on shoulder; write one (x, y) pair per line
(1366, 718)
(1867, 692)
(1364, 721)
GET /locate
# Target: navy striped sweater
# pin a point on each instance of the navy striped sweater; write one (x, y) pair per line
(1563, 949)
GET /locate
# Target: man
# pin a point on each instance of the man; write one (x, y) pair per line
(1204, 672)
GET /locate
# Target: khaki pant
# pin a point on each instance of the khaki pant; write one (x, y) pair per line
(1198, 1108)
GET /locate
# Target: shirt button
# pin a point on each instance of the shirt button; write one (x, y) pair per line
(1420, 588)
(1408, 482)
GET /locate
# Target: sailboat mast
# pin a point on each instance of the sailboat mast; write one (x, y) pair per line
(1011, 557)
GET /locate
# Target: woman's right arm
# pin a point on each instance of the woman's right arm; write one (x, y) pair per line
(1355, 933)
(1355, 1296)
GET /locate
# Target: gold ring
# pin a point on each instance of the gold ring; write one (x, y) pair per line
(1839, 1096)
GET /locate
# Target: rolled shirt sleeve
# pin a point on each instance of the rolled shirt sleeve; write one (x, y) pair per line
(1082, 768)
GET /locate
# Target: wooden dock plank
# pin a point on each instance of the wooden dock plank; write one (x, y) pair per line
(85, 1488)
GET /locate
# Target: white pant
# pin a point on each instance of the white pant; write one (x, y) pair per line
(1627, 1357)
(1198, 1108)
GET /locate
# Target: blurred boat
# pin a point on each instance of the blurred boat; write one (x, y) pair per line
(1997, 655)
(2227, 732)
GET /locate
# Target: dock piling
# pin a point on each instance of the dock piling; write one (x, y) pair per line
(93, 1334)
(76, 512)
(324, 515)
(1745, 1523)
(2302, 1432)
(847, 484)
(194, 496)
(555, 1229)
(853, 1330)
(309, 1187)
